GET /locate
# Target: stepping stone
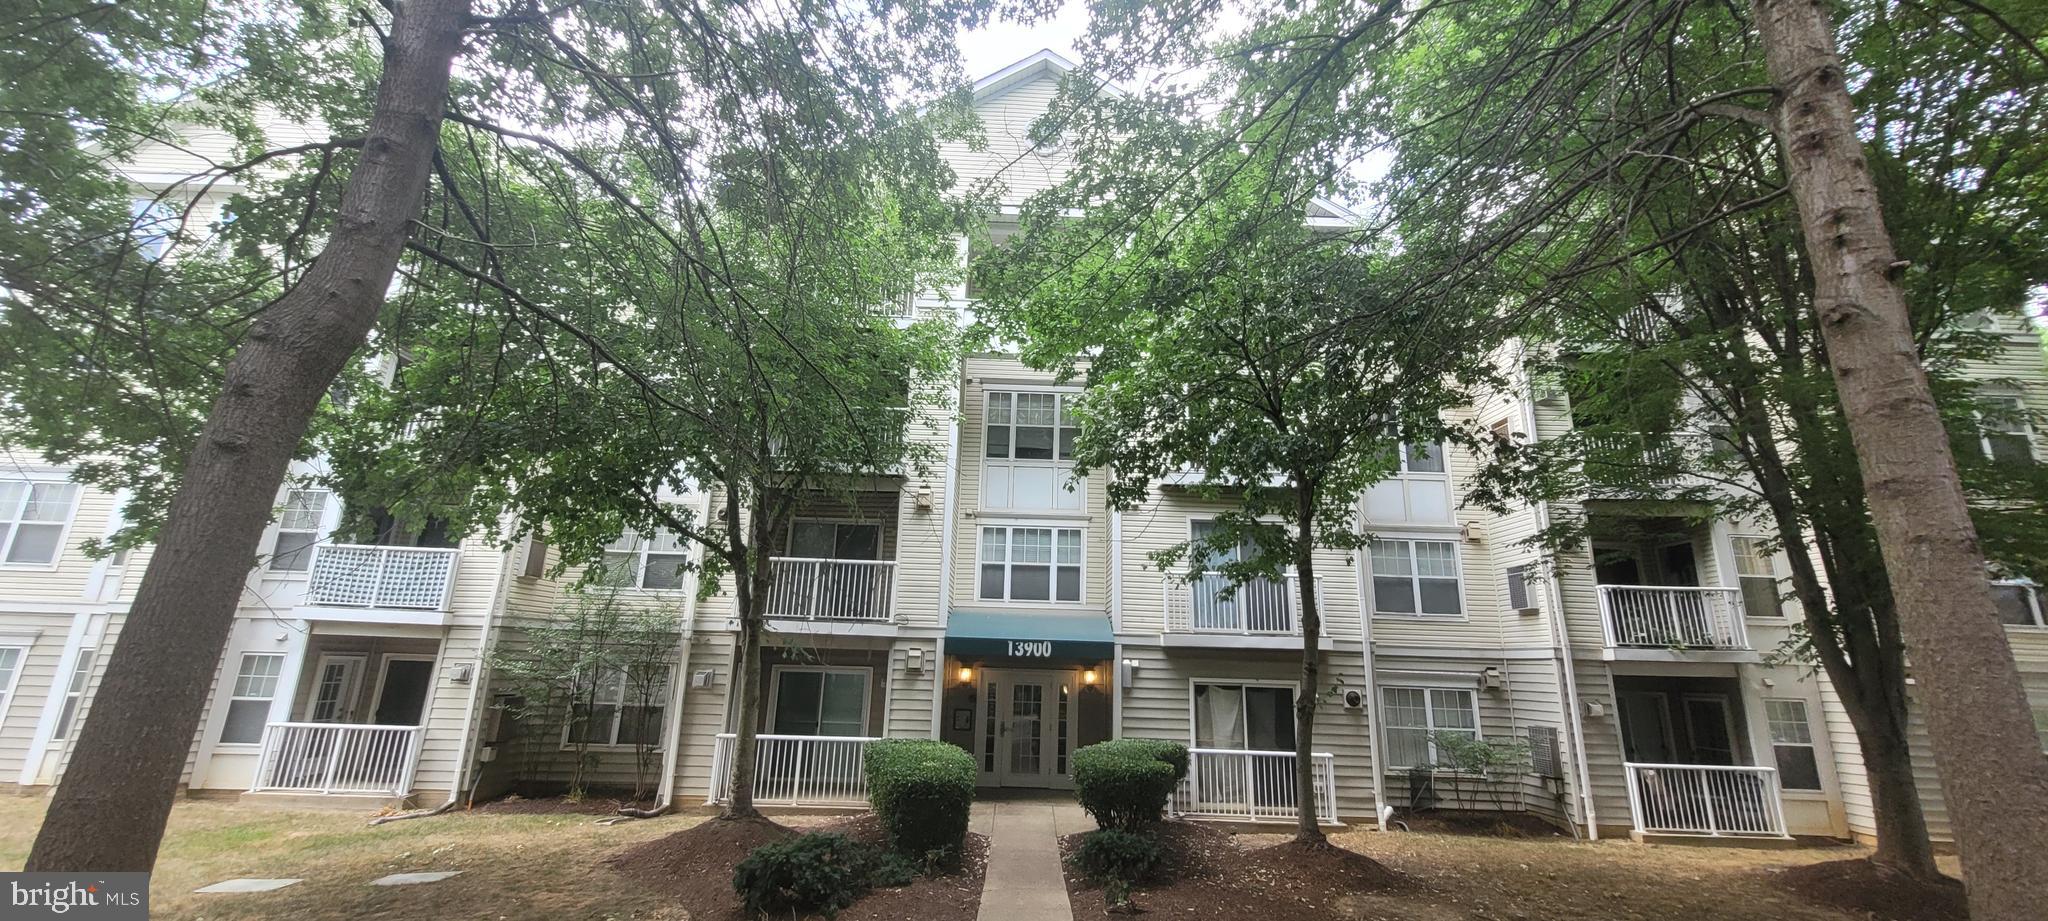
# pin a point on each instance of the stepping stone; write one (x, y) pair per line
(408, 879)
(249, 885)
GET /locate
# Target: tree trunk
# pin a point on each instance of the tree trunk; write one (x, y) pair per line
(1993, 774)
(1306, 828)
(750, 584)
(1902, 843)
(109, 811)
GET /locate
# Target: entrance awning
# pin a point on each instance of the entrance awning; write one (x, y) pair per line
(1028, 637)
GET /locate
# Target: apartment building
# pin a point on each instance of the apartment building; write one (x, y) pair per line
(998, 602)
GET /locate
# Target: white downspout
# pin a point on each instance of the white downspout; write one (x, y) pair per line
(1372, 694)
(1560, 639)
(949, 507)
(671, 732)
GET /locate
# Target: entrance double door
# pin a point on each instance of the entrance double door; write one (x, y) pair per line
(1023, 728)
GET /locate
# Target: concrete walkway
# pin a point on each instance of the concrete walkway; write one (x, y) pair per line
(1024, 881)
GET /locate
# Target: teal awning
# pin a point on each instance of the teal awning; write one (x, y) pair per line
(1029, 637)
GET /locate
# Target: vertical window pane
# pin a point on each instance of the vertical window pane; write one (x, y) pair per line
(1393, 596)
(845, 698)
(1440, 596)
(1452, 710)
(1030, 583)
(991, 581)
(293, 552)
(1436, 558)
(993, 544)
(1424, 458)
(1069, 578)
(244, 723)
(797, 702)
(1069, 547)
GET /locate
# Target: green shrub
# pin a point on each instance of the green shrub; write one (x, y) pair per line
(1126, 783)
(1114, 855)
(921, 789)
(811, 873)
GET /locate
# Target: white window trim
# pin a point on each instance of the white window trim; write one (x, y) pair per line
(1286, 572)
(362, 662)
(13, 680)
(1429, 715)
(1457, 560)
(79, 673)
(687, 551)
(63, 530)
(867, 690)
(1293, 688)
(240, 661)
(1811, 744)
(1777, 577)
(618, 713)
(2034, 598)
(2026, 426)
(321, 532)
(1062, 395)
(1056, 526)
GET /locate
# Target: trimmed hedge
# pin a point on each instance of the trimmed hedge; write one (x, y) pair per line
(921, 789)
(1108, 855)
(817, 872)
(1126, 783)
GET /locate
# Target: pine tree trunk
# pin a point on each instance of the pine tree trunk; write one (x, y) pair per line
(1993, 774)
(1306, 829)
(108, 813)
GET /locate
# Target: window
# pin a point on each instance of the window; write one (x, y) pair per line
(633, 561)
(2018, 602)
(1756, 570)
(820, 702)
(830, 540)
(10, 669)
(2041, 726)
(1413, 717)
(2002, 429)
(74, 694)
(1030, 564)
(154, 220)
(298, 529)
(1792, 743)
(1253, 717)
(1419, 492)
(1416, 577)
(618, 711)
(249, 708)
(1518, 589)
(1028, 448)
(32, 520)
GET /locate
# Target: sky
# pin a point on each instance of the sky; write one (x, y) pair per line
(985, 51)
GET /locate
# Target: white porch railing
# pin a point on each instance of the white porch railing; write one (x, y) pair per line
(1705, 799)
(1262, 607)
(796, 770)
(815, 589)
(374, 576)
(1225, 783)
(342, 758)
(1667, 616)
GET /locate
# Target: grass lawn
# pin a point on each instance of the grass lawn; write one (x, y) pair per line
(513, 866)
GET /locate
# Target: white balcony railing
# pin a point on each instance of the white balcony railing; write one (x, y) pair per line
(1225, 783)
(1705, 799)
(1672, 617)
(1261, 607)
(374, 576)
(815, 589)
(796, 770)
(342, 758)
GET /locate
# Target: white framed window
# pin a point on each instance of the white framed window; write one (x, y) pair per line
(1792, 743)
(74, 694)
(655, 563)
(298, 529)
(33, 518)
(11, 658)
(1416, 577)
(1756, 571)
(1413, 716)
(2018, 602)
(618, 711)
(1519, 597)
(153, 220)
(2002, 430)
(1031, 564)
(835, 540)
(1028, 451)
(1243, 715)
(819, 701)
(1418, 493)
(249, 706)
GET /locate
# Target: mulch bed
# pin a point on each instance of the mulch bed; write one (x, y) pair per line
(559, 805)
(1486, 825)
(694, 866)
(1207, 875)
(1864, 888)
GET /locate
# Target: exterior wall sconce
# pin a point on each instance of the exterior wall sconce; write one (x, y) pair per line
(1088, 676)
(966, 673)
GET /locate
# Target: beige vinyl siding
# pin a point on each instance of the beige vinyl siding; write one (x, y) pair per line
(1008, 163)
(43, 637)
(909, 698)
(1159, 705)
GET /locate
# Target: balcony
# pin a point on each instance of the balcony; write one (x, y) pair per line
(796, 770)
(1252, 786)
(1208, 612)
(1705, 800)
(337, 759)
(369, 582)
(812, 589)
(1672, 619)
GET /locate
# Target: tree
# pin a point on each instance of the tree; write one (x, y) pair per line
(1198, 325)
(690, 96)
